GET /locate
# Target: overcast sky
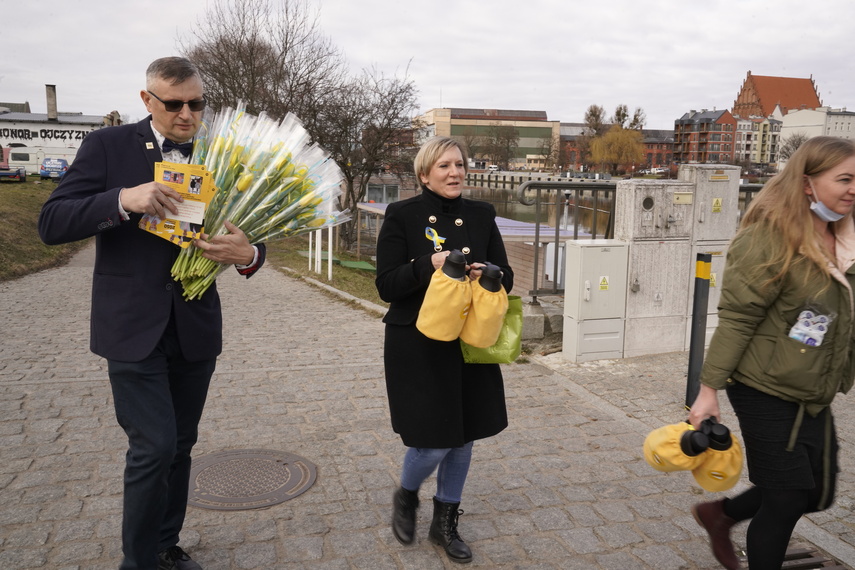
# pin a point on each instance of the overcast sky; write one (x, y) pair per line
(558, 56)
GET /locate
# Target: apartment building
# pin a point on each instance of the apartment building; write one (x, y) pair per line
(704, 137)
(757, 141)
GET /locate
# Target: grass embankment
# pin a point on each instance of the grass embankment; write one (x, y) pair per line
(22, 251)
(356, 282)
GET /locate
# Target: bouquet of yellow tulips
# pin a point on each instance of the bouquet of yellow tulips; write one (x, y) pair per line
(270, 181)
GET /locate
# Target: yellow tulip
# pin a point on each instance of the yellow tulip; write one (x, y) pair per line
(244, 182)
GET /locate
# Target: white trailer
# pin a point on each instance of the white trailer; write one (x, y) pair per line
(31, 157)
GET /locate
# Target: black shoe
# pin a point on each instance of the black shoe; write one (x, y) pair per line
(173, 558)
(443, 531)
(404, 506)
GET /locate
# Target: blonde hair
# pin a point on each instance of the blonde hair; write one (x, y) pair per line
(784, 206)
(432, 150)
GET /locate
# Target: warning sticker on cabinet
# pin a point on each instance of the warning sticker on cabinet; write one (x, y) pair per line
(716, 205)
(604, 283)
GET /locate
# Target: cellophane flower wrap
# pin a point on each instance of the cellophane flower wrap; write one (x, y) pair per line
(271, 182)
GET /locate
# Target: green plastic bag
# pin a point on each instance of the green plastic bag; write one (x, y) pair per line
(507, 348)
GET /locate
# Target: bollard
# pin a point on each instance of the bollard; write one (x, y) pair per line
(699, 326)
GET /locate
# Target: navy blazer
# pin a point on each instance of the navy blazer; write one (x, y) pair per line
(133, 293)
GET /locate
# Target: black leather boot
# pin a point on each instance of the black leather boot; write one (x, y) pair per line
(443, 531)
(404, 506)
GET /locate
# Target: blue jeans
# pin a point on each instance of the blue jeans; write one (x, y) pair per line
(451, 465)
(159, 403)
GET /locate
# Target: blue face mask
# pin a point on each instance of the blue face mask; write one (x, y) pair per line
(822, 211)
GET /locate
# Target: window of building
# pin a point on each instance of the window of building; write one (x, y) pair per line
(382, 193)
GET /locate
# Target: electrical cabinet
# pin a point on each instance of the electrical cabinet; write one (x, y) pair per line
(663, 225)
(655, 217)
(653, 210)
(594, 299)
(715, 221)
(716, 200)
(657, 297)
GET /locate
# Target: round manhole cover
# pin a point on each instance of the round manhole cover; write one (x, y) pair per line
(248, 479)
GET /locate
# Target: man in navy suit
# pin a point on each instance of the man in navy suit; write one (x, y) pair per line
(161, 350)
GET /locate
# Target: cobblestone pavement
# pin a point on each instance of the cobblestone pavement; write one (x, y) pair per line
(564, 487)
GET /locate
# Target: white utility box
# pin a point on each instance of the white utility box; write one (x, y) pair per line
(656, 218)
(658, 297)
(594, 299)
(716, 200)
(653, 210)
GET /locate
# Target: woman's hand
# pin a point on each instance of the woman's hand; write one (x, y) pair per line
(438, 258)
(474, 271)
(705, 406)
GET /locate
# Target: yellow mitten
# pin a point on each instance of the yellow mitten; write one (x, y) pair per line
(445, 307)
(665, 448)
(486, 316)
(721, 468)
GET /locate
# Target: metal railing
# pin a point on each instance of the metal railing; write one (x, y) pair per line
(568, 188)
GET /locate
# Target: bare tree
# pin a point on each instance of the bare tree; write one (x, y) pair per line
(269, 54)
(365, 125)
(595, 126)
(501, 144)
(791, 144)
(639, 119)
(474, 142)
(595, 121)
(549, 150)
(621, 116)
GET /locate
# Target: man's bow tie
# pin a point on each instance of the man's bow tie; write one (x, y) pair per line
(184, 148)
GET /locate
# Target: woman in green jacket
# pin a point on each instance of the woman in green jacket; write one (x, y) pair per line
(783, 348)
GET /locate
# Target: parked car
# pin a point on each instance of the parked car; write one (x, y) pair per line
(53, 168)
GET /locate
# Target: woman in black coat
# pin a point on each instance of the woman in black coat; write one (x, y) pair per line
(439, 404)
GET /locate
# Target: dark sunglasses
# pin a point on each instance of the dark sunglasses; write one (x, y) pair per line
(175, 106)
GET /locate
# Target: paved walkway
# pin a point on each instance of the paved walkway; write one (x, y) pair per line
(564, 487)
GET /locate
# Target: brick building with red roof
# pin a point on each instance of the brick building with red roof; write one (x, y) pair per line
(761, 94)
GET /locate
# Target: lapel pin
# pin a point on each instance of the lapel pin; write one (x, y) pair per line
(149, 146)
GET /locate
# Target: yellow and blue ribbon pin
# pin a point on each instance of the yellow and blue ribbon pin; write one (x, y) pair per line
(433, 236)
